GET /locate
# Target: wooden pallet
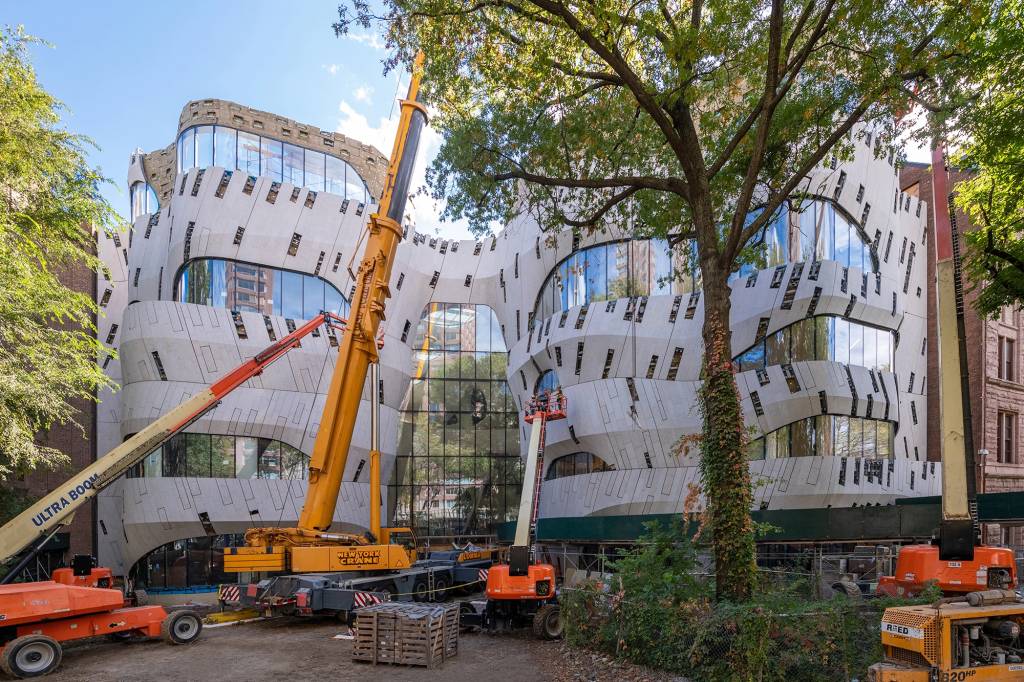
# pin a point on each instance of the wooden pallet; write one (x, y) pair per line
(406, 633)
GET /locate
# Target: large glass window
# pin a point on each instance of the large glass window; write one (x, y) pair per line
(201, 455)
(143, 199)
(203, 146)
(608, 271)
(458, 470)
(189, 563)
(813, 230)
(826, 435)
(246, 287)
(576, 464)
(823, 338)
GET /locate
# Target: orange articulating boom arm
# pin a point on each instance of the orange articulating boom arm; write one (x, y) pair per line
(56, 509)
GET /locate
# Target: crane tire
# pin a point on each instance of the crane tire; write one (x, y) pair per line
(31, 656)
(181, 627)
(547, 622)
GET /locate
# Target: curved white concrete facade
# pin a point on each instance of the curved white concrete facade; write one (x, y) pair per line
(619, 414)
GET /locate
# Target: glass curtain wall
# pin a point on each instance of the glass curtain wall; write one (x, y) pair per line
(827, 435)
(204, 455)
(823, 338)
(458, 470)
(256, 155)
(245, 287)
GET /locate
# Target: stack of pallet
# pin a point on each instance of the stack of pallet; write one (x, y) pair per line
(407, 633)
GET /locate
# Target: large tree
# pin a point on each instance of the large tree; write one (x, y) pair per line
(989, 132)
(691, 119)
(49, 205)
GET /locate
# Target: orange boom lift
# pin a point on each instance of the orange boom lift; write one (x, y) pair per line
(975, 633)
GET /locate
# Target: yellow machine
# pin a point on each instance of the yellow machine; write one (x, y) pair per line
(975, 636)
(310, 547)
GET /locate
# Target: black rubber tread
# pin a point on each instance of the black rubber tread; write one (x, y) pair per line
(540, 620)
(8, 661)
(167, 627)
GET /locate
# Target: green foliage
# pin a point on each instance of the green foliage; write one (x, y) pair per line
(49, 203)
(992, 134)
(658, 613)
(677, 119)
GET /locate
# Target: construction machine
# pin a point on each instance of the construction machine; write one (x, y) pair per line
(957, 561)
(80, 601)
(522, 592)
(316, 570)
(975, 633)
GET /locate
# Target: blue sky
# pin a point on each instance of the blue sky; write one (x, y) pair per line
(125, 69)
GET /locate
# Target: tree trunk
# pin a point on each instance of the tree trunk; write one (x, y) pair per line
(725, 475)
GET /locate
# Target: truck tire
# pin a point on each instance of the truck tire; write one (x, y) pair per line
(547, 622)
(440, 590)
(420, 590)
(181, 627)
(31, 656)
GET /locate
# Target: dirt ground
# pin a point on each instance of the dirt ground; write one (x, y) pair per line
(303, 650)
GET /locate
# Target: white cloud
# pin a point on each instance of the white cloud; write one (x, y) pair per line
(371, 40)
(424, 210)
(331, 68)
(362, 93)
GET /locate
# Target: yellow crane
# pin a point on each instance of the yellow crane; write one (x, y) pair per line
(310, 546)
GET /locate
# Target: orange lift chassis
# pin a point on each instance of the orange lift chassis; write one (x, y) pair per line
(975, 633)
(80, 602)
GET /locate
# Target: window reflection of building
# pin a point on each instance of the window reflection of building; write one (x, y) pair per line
(575, 464)
(823, 338)
(204, 146)
(648, 267)
(458, 470)
(547, 381)
(202, 455)
(827, 435)
(246, 287)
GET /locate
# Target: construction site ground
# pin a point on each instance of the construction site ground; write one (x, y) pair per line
(306, 649)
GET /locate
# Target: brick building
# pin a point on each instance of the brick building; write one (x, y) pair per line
(78, 444)
(996, 381)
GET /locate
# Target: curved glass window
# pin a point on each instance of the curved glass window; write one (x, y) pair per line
(826, 435)
(245, 287)
(188, 563)
(548, 381)
(143, 199)
(203, 146)
(458, 471)
(575, 464)
(823, 338)
(648, 267)
(815, 230)
(641, 267)
(201, 455)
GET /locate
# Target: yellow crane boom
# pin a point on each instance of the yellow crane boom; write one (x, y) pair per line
(309, 546)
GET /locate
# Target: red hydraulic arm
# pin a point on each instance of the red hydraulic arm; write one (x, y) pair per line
(56, 509)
